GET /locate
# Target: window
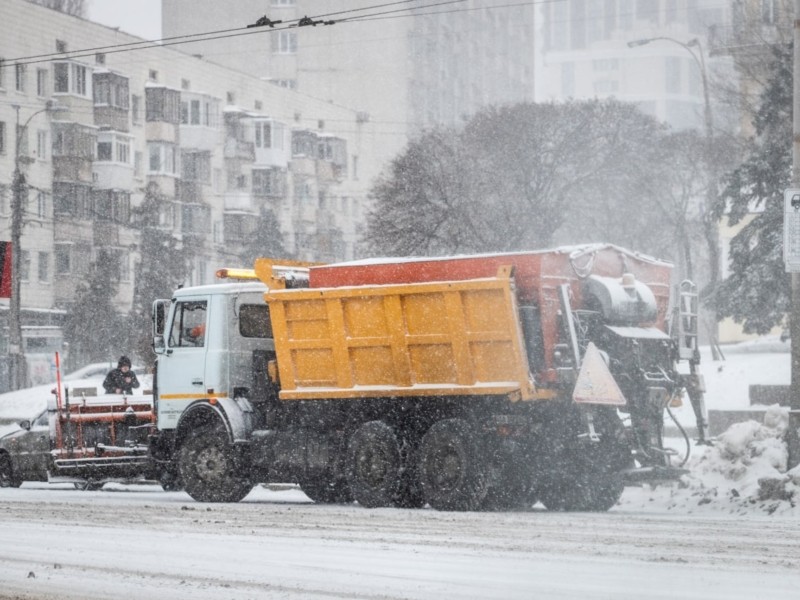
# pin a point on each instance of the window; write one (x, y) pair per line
(195, 219)
(196, 166)
(61, 46)
(41, 82)
(138, 159)
(217, 232)
(111, 89)
(70, 78)
(162, 104)
(44, 267)
(263, 134)
(104, 151)
(123, 152)
(111, 205)
(254, 321)
(41, 205)
(72, 200)
(2, 73)
(189, 326)
(136, 110)
(2, 136)
(100, 58)
(152, 75)
(268, 182)
(190, 113)
(62, 257)
(186, 84)
(113, 147)
(19, 77)
(25, 267)
(284, 43)
(161, 158)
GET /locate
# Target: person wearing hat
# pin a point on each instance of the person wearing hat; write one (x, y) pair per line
(121, 380)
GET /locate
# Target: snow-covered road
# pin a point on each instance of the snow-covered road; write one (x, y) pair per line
(139, 542)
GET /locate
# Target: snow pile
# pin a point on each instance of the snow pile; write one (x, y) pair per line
(744, 471)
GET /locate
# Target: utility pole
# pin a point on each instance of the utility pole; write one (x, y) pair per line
(793, 433)
(16, 356)
(16, 362)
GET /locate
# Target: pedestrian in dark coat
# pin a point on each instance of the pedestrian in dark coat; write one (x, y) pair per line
(121, 380)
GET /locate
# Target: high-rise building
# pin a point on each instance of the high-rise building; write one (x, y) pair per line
(405, 66)
(654, 53)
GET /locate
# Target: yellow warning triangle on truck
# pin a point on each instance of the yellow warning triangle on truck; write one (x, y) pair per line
(595, 383)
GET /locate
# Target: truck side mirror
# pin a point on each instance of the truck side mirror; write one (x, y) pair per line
(158, 344)
(26, 425)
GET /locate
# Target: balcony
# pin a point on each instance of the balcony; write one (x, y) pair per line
(112, 175)
(239, 149)
(239, 201)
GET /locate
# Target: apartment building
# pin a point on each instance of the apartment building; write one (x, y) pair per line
(93, 130)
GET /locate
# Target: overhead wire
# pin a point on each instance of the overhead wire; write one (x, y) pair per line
(198, 37)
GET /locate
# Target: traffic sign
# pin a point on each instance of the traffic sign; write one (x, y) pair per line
(791, 230)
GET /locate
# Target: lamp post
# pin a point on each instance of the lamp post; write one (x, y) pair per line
(17, 364)
(710, 230)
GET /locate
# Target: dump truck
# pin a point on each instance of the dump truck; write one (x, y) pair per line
(481, 382)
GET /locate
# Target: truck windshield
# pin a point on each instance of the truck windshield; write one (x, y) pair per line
(189, 326)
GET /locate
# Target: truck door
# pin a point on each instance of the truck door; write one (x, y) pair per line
(181, 370)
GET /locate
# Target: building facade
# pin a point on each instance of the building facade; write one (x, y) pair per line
(94, 132)
(407, 68)
(586, 54)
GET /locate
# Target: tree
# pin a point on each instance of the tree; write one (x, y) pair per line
(76, 8)
(164, 265)
(266, 241)
(520, 177)
(757, 291)
(94, 328)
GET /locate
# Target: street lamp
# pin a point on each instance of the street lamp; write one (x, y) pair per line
(17, 364)
(709, 224)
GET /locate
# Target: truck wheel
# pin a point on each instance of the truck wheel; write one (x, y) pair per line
(322, 491)
(7, 477)
(586, 477)
(373, 465)
(208, 470)
(451, 467)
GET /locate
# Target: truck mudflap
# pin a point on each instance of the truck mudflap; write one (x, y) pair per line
(657, 474)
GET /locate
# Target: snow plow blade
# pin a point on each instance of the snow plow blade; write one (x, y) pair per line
(652, 475)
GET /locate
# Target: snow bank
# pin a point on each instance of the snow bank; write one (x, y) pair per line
(744, 471)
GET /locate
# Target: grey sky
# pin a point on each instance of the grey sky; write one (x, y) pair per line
(139, 17)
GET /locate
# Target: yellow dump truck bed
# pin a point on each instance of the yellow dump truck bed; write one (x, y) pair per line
(424, 339)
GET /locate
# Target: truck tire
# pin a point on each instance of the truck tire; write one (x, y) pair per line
(373, 465)
(207, 468)
(7, 477)
(322, 491)
(587, 477)
(451, 467)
